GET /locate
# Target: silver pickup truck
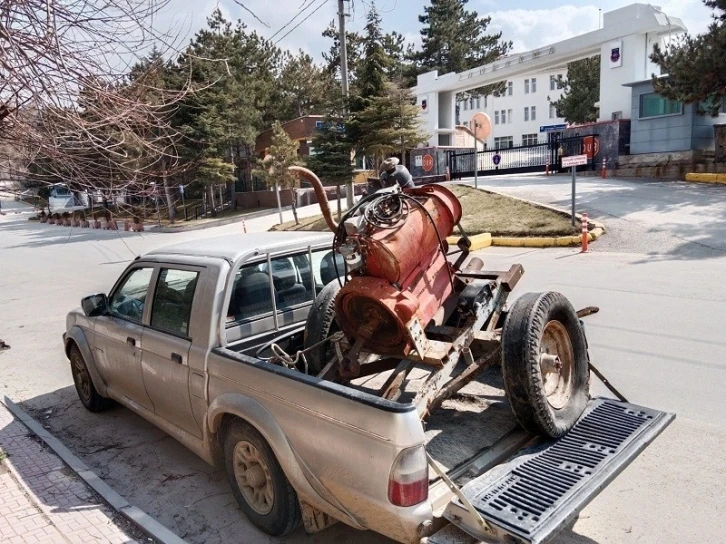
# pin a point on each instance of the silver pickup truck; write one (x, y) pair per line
(183, 339)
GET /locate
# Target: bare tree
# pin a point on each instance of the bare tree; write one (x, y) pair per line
(67, 103)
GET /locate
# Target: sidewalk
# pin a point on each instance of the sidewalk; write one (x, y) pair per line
(43, 501)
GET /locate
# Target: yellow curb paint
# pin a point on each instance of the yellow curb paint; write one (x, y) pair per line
(478, 241)
(706, 178)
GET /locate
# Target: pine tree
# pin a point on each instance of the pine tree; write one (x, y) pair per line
(390, 124)
(274, 168)
(695, 65)
(330, 158)
(375, 62)
(213, 171)
(455, 40)
(582, 91)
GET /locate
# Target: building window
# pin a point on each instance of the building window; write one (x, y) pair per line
(471, 103)
(510, 88)
(485, 102)
(553, 111)
(466, 105)
(496, 117)
(478, 102)
(504, 117)
(534, 84)
(526, 113)
(654, 105)
(511, 117)
(553, 83)
(526, 86)
(503, 142)
(530, 139)
(533, 113)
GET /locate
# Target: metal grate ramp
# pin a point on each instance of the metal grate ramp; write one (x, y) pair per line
(544, 487)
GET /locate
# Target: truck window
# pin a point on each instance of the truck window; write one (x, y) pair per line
(292, 284)
(173, 299)
(129, 299)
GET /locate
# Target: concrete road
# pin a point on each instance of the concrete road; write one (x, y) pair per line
(658, 337)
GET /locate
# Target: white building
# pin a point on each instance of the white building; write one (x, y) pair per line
(624, 43)
(516, 115)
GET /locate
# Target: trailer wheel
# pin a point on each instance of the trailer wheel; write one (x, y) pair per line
(258, 483)
(545, 363)
(320, 325)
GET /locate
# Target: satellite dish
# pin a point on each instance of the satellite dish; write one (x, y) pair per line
(481, 125)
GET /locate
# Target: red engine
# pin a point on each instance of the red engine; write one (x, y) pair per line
(395, 251)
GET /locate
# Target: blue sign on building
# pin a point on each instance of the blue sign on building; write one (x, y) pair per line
(553, 128)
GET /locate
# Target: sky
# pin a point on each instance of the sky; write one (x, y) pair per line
(527, 23)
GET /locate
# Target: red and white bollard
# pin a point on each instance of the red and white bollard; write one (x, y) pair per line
(604, 171)
(244, 226)
(584, 234)
(547, 168)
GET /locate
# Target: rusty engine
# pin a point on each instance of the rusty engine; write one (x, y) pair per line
(394, 246)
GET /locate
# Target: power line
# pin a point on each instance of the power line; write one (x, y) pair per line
(306, 6)
(301, 22)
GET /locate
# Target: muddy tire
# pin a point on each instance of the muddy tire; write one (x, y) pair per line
(320, 325)
(258, 483)
(90, 398)
(545, 363)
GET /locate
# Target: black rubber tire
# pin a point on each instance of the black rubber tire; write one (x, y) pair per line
(285, 515)
(320, 325)
(87, 392)
(523, 384)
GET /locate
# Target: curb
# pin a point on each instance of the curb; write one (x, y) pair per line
(478, 241)
(135, 515)
(595, 231)
(707, 178)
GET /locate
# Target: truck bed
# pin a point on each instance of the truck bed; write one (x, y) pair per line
(473, 420)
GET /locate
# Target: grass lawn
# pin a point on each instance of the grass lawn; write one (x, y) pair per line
(483, 212)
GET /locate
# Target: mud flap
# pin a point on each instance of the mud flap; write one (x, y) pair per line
(530, 498)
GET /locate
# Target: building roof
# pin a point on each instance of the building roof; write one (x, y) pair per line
(649, 80)
(233, 247)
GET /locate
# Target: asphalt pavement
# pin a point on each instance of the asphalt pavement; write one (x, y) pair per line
(657, 275)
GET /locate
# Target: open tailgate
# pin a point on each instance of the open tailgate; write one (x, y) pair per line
(530, 498)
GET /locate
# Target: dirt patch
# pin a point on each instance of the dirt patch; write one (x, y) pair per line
(483, 212)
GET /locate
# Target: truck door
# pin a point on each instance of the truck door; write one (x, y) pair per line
(167, 341)
(118, 336)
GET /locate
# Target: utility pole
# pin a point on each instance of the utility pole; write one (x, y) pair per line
(344, 81)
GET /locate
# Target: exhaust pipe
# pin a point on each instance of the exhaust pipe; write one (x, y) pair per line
(310, 176)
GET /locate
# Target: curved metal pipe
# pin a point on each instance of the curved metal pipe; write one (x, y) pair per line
(310, 176)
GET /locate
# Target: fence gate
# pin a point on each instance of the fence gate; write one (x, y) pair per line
(524, 158)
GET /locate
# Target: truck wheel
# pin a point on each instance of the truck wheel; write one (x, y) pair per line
(258, 483)
(320, 325)
(84, 385)
(545, 363)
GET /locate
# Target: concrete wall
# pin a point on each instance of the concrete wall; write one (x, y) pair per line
(612, 135)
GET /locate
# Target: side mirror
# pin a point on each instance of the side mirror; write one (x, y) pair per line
(94, 305)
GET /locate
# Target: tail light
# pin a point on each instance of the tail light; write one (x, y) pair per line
(408, 484)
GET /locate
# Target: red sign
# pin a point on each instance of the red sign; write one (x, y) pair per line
(428, 163)
(591, 146)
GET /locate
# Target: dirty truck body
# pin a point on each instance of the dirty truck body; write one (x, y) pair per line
(183, 339)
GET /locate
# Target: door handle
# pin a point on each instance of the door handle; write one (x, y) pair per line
(131, 341)
(176, 358)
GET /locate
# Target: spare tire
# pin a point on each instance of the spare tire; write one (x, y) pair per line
(545, 363)
(320, 325)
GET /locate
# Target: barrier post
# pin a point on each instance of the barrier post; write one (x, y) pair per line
(244, 225)
(584, 234)
(547, 168)
(604, 172)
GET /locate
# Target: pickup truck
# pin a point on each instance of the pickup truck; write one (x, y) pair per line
(182, 339)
